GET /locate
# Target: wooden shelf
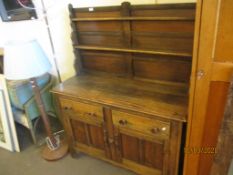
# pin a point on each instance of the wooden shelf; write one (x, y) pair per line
(135, 19)
(84, 47)
(149, 98)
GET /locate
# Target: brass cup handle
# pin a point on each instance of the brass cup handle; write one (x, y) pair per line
(155, 130)
(123, 122)
(91, 114)
(158, 130)
(68, 108)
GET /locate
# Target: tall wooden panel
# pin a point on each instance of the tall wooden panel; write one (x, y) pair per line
(211, 71)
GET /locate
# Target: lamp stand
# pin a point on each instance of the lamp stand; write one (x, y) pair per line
(55, 149)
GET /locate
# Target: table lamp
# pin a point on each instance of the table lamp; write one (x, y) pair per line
(27, 60)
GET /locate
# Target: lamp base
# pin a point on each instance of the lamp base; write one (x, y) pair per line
(52, 155)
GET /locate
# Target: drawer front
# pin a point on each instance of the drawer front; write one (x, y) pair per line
(150, 127)
(83, 111)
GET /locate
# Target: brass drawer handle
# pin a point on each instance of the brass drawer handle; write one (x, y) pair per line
(68, 108)
(91, 114)
(163, 128)
(123, 122)
(158, 130)
(155, 130)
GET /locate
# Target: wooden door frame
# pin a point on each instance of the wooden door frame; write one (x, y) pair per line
(204, 71)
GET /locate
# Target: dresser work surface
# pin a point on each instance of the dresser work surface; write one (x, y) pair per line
(149, 98)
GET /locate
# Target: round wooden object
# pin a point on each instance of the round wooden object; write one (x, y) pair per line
(52, 155)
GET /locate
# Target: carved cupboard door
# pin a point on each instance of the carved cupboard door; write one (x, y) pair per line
(86, 126)
(142, 143)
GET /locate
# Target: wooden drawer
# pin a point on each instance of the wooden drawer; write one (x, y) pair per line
(146, 126)
(82, 111)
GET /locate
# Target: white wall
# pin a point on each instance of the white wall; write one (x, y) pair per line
(60, 27)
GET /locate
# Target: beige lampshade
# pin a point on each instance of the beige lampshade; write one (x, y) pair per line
(24, 60)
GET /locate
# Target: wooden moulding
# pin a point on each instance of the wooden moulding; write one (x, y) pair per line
(74, 38)
(125, 11)
(147, 7)
(82, 47)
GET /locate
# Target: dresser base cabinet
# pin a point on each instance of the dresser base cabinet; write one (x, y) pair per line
(96, 123)
(141, 144)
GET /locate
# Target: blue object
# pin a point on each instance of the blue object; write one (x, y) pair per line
(23, 103)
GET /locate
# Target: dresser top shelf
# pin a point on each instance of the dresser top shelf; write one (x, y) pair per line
(164, 101)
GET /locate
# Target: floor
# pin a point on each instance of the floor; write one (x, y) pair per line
(29, 162)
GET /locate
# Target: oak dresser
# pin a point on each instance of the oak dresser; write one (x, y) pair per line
(128, 102)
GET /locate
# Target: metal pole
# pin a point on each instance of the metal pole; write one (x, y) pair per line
(51, 40)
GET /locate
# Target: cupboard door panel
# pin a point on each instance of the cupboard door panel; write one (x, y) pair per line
(153, 155)
(96, 137)
(79, 131)
(143, 154)
(130, 148)
(89, 135)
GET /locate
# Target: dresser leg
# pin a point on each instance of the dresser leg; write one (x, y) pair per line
(73, 152)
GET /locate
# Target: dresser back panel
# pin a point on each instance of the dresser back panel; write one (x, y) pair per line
(109, 62)
(151, 42)
(161, 68)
